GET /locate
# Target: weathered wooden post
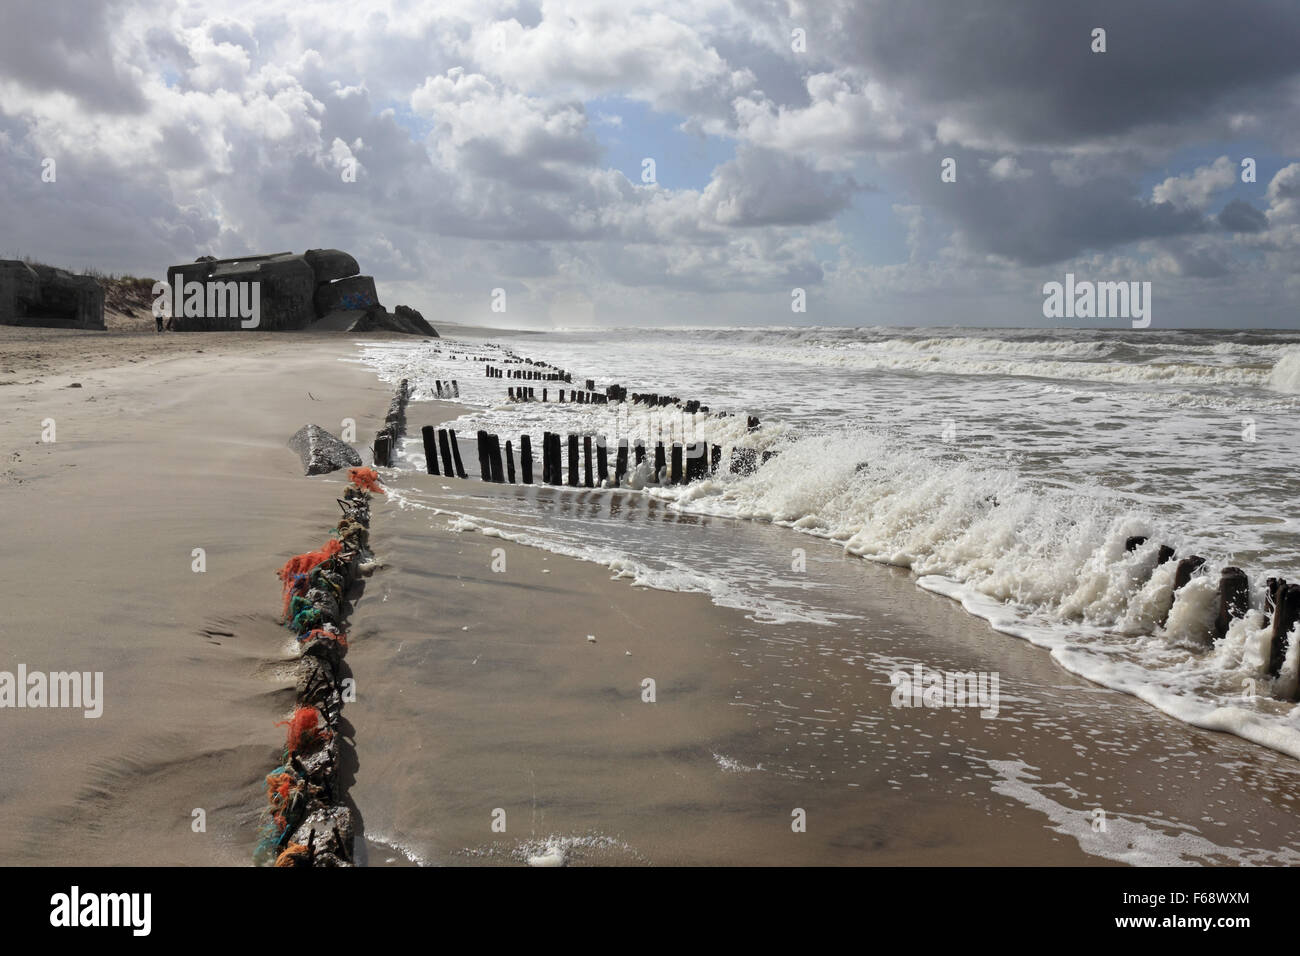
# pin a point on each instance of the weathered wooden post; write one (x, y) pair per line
(586, 461)
(430, 449)
(675, 477)
(1182, 574)
(510, 463)
(445, 447)
(715, 460)
(1186, 568)
(1286, 613)
(526, 458)
(640, 451)
(455, 453)
(1272, 588)
(494, 459)
(602, 461)
(382, 450)
(484, 468)
(573, 460)
(620, 462)
(1234, 600)
(660, 461)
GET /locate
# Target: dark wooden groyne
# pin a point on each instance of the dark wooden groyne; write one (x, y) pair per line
(1281, 600)
(385, 445)
(583, 461)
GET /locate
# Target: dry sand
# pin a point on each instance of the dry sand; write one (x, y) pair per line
(479, 690)
(172, 443)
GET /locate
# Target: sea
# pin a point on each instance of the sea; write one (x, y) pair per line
(1004, 469)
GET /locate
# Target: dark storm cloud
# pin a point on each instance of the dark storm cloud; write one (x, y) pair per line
(64, 47)
(194, 128)
(1240, 216)
(1024, 69)
(1038, 219)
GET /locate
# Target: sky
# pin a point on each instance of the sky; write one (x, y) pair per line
(701, 163)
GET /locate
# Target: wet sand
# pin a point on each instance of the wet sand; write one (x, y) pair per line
(505, 704)
(478, 690)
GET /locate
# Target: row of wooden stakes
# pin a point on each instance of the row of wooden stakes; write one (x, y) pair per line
(676, 464)
(1281, 600)
(530, 375)
(576, 396)
(394, 426)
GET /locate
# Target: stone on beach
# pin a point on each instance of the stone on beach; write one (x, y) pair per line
(321, 452)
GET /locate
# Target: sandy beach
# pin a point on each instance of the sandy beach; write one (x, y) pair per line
(479, 691)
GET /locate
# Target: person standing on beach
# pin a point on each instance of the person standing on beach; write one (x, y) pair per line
(158, 320)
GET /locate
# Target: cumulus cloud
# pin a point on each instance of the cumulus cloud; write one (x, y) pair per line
(763, 187)
(1008, 168)
(1196, 190)
(481, 133)
(845, 117)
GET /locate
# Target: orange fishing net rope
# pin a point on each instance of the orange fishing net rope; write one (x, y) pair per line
(366, 478)
(304, 728)
(296, 568)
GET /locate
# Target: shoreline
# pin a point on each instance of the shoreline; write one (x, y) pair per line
(1019, 790)
(519, 712)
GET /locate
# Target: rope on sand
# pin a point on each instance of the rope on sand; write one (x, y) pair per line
(306, 824)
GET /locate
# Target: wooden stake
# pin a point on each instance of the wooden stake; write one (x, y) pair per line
(430, 449)
(494, 459)
(445, 447)
(525, 459)
(455, 453)
(1234, 600)
(620, 462)
(484, 468)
